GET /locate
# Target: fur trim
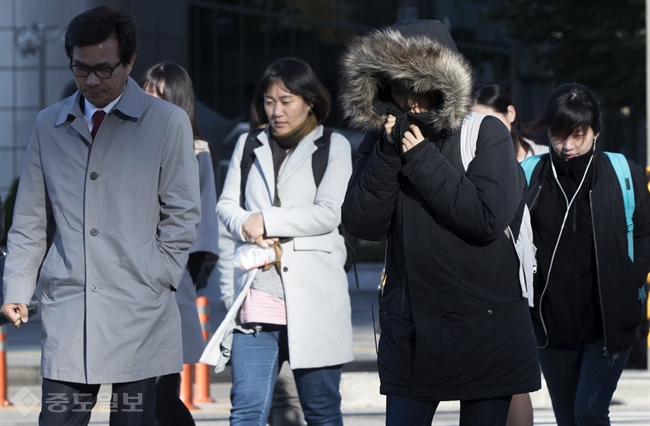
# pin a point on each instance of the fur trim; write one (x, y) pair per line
(384, 55)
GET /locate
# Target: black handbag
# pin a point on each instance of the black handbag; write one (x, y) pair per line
(32, 308)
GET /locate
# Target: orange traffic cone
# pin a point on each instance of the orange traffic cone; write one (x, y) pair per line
(186, 387)
(202, 371)
(3, 368)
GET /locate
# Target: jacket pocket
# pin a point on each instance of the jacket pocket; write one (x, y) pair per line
(469, 299)
(156, 268)
(395, 324)
(313, 243)
(622, 307)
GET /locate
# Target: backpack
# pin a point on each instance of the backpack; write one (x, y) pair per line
(622, 169)
(318, 165)
(523, 244)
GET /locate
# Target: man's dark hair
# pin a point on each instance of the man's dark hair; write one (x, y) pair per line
(97, 25)
(298, 78)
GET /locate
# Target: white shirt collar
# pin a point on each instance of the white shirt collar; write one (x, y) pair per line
(90, 109)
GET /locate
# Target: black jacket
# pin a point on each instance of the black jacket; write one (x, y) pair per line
(617, 278)
(453, 321)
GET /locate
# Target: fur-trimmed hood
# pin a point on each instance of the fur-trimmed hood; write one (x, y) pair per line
(420, 53)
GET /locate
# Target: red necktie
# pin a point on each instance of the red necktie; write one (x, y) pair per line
(98, 117)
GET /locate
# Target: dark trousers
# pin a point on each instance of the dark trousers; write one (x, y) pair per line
(70, 404)
(581, 382)
(170, 410)
(404, 411)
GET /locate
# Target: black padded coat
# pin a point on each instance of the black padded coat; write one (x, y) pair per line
(454, 325)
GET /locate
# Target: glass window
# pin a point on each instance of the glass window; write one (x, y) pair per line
(234, 40)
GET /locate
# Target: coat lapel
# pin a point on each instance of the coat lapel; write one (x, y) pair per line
(127, 109)
(302, 153)
(264, 158)
(71, 111)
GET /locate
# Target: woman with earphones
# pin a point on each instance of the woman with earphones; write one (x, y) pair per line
(588, 290)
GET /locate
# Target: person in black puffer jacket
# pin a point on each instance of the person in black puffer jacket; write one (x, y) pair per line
(588, 290)
(454, 325)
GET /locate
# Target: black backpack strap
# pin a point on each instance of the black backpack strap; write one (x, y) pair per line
(247, 158)
(320, 157)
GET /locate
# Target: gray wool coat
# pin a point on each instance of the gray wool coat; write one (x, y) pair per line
(207, 240)
(124, 210)
(316, 287)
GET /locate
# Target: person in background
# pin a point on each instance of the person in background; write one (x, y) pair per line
(299, 308)
(111, 172)
(454, 325)
(492, 99)
(589, 288)
(170, 82)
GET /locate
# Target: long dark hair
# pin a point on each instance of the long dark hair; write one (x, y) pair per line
(298, 78)
(172, 83)
(570, 108)
(498, 98)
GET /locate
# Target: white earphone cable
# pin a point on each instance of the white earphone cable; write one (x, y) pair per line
(557, 243)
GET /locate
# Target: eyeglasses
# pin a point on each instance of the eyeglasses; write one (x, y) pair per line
(101, 71)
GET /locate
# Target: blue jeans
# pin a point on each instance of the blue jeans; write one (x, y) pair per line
(255, 362)
(581, 382)
(404, 411)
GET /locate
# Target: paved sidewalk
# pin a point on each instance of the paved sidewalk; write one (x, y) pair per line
(362, 404)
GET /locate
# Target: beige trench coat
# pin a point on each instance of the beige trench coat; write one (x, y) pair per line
(125, 208)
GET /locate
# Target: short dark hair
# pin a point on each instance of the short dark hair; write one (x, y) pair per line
(498, 98)
(99, 24)
(172, 83)
(298, 78)
(570, 108)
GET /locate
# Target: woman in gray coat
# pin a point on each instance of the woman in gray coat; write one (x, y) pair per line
(299, 308)
(172, 83)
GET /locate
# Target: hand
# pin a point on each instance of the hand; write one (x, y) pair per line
(253, 227)
(388, 127)
(265, 242)
(16, 313)
(411, 138)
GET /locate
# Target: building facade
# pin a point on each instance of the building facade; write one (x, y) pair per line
(226, 44)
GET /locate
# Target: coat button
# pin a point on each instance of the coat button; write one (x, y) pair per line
(94, 288)
(94, 176)
(94, 232)
(285, 269)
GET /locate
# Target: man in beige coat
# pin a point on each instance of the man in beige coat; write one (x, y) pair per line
(107, 208)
